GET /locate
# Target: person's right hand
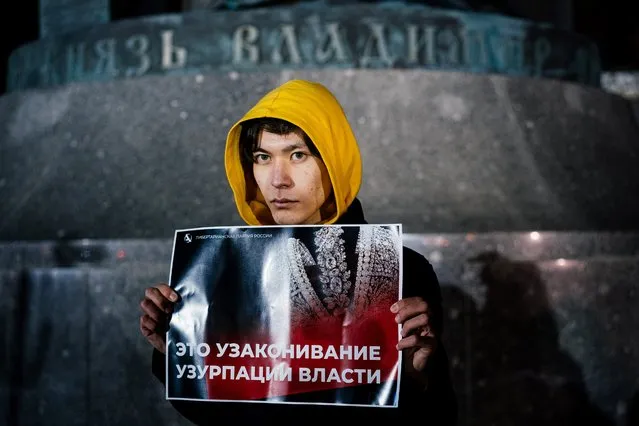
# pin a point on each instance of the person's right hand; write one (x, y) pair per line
(157, 306)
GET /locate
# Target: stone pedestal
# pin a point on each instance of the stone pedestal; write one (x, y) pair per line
(443, 152)
(304, 37)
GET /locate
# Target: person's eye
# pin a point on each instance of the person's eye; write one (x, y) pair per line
(260, 158)
(298, 155)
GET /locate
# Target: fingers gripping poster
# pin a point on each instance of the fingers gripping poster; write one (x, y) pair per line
(286, 314)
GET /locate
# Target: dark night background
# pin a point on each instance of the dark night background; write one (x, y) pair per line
(611, 24)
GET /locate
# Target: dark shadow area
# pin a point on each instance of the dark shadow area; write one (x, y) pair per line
(632, 412)
(68, 253)
(460, 311)
(127, 9)
(21, 22)
(516, 372)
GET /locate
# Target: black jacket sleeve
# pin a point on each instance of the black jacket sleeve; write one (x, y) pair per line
(437, 402)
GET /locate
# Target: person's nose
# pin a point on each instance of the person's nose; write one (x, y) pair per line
(281, 174)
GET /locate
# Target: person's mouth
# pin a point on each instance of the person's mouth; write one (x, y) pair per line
(282, 203)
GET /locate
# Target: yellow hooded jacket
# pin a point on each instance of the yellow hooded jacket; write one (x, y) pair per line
(315, 110)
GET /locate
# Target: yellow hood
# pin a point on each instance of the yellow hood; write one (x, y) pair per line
(314, 109)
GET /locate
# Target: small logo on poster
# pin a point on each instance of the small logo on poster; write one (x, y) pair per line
(188, 238)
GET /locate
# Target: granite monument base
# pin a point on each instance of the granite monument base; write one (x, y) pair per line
(442, 152)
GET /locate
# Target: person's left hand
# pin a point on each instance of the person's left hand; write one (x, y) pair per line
(418, 340)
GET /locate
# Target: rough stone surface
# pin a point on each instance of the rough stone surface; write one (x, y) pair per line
(442, 152)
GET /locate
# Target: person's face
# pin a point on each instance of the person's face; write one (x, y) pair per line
(294, 183)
